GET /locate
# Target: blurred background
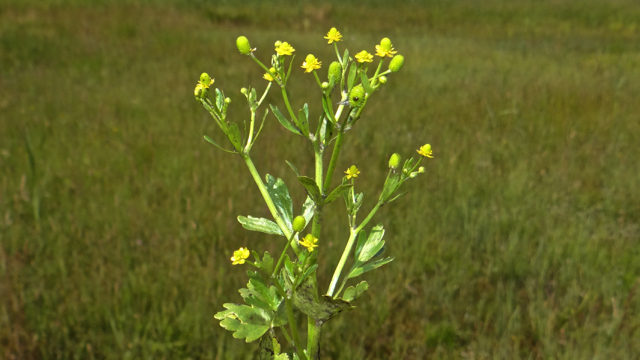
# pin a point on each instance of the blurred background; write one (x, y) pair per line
(117, 219)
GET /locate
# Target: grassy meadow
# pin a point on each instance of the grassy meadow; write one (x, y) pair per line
(117, 219)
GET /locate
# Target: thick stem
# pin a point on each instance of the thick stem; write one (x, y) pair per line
(267, 199)
(313, 340)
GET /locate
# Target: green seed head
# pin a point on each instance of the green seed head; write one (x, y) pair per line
(356, 97)
(396, 63)
(385, 44)
(299, 223)
(394, 161)
(205, 79)
(335, 72)
(243, 45)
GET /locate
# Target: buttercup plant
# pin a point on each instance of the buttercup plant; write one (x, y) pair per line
(278, 290)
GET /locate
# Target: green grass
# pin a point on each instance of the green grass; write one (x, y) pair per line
(522, 240)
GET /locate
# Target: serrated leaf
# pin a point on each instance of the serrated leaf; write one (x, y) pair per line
(247, 322)
(286, 123)
(312, 188)
(352, 294)
(260, 224)
(340, 190)
(373, 245)
(279, 194)
(267, 263)
(368, 267)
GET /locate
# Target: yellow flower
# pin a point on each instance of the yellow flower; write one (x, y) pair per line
(425, 150)
(311, 63)
(333, 35)
(385, 48)
(352, 172)
(198, 91)
(268, 76)
(364, 56)
(309, 242)
(239, 256)
(285, 49)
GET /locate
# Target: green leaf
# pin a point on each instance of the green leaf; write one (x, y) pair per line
(352, 76)
(337, 192)
(267, 342)
(357, 203)
(289, 267)
(345, 56)
(312, 188)
(373, 245)
(287, 125)
(325, 107)
(282, 200)
(368, 267)
(210, 140)
(352, 294)
(266, 264)
(245, 322)
(293, 167)
(390, 186)
(308, 209)
(260, 224)
(396, 197)
(365, 82)
(303, 119)
(219, 100)
(322, 309)
(305, 274)
(233, 133)
(362, 239)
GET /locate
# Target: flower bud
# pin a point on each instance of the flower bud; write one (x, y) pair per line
(299, 223)
(325, 85)
(335, 72)
(396, 63)
(394, 161)
(356, 97)
(421, 169)
(227, 101)
(278, 43)
(273, 72)
(243, 91)
(385, 44)
(382, 79)
(243, 45)
(198, 92)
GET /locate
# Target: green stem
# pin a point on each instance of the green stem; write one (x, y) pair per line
(275, 271)
(286, 102)
(267, 199)
(334, 160)
(250, 137)
(347, 249)
(259, 63)
(335, 45)
(313, 338)
(294, 328)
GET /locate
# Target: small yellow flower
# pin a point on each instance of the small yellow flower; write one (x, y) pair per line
(268, 76)
(364, 56)
(285, 49)
(425, 150)
(239, 256)
(385, 48)
(198, 91)
(309, 242)
(352, 172)
(333, 35)
(311, 63)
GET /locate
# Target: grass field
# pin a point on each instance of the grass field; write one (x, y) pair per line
(117, 219)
